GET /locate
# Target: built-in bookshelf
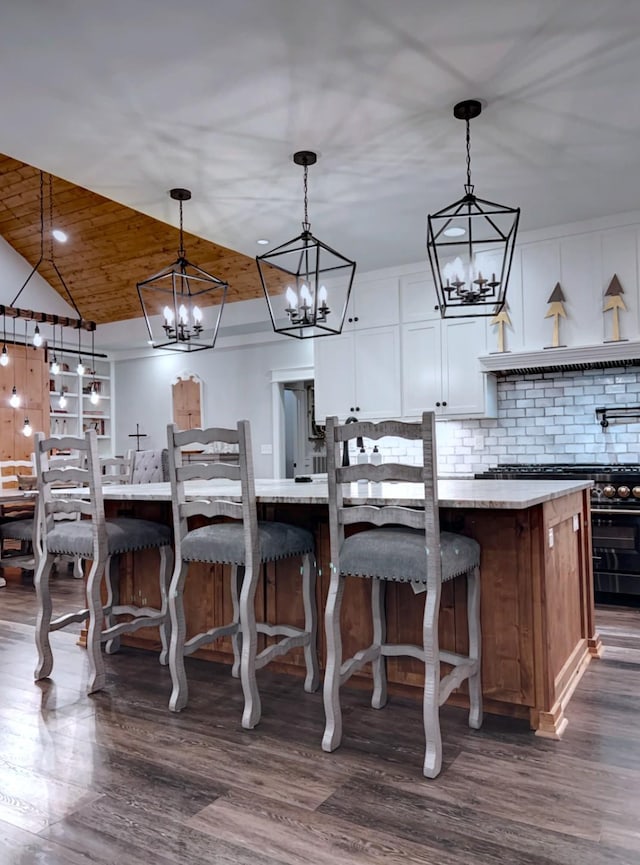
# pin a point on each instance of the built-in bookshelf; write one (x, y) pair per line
(82, 402)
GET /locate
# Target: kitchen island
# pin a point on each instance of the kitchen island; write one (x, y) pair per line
(538, 627)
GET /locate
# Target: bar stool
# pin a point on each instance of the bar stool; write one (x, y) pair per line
(90, 537)
(244, 543)
(406, 545)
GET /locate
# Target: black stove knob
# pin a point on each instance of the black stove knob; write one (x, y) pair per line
(635, 492)
(609, 490)
(624, 492)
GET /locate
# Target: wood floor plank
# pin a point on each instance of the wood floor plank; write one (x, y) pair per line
(116, 778)
(295, 835)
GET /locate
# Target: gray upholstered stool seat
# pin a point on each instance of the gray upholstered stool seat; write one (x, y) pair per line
(124, 535)
(225, 542)
(17, 530)
(399, 554)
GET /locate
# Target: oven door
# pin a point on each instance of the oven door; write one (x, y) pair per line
(616, 550)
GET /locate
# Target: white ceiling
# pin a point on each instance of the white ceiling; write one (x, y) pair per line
(131, 97)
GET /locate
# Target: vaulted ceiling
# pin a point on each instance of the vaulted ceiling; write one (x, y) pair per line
(128, 99)
(110, 248)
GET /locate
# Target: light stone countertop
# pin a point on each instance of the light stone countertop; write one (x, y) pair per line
(482, 493)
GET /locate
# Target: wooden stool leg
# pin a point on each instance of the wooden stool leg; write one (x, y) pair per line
(43, 621)
(94, 644)
(113, 599)
(312, 679)
(252, 707)
(331, 692)
(236, 637)
(431, 698)
(180, 691)
(379, 664)
(166, 568)
(475, 653)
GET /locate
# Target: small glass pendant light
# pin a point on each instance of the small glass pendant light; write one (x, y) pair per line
(27, 429)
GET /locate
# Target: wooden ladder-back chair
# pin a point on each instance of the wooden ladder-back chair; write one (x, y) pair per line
(405, 545)
(91, 536)
(244, 543)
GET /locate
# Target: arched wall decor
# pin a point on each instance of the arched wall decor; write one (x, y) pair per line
(186, 395)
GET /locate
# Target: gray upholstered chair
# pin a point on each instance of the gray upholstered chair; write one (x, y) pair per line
(149, 467)
(96, 538)
(244, 543)
(404, 545)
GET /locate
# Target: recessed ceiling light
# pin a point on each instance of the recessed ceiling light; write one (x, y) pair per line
(454, 231)
(263, 241)
(60, 235)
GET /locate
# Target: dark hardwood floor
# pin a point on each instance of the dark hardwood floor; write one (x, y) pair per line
(116, 778)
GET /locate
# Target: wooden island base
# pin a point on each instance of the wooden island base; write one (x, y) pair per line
(538, 630)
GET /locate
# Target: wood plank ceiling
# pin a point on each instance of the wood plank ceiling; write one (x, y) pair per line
(113, 247)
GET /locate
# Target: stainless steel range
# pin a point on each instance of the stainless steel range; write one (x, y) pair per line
(615, 518)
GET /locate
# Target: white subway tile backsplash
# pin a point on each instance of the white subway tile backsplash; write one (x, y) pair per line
(548, 418)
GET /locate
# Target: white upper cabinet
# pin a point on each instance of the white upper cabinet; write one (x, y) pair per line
(440, 369)
(373, 303)
(358, 373)
(418, 299)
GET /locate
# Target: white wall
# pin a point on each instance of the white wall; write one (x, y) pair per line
(237, 384)
(37, 295)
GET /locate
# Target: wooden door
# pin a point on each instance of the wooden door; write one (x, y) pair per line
(187, 413)
(29, 370)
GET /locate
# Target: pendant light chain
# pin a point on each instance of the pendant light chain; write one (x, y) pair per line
(469, 186)
(50, 220)
(181, 249)
(305, 224)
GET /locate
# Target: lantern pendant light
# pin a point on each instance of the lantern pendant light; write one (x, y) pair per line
(306, 283)
(188, 300)
(470, 245)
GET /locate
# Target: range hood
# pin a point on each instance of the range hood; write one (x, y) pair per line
(610, 354)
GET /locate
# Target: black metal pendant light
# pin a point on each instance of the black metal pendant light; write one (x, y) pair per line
(307, 284)
(470, 245)
(182, 304)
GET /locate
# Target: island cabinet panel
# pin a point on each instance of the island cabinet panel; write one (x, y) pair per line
(536, 603)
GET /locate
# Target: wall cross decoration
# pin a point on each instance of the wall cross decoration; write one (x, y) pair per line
(137, 435)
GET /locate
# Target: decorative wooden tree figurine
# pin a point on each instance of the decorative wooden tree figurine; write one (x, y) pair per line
(613, 301)
(501, 319)
(556, 309)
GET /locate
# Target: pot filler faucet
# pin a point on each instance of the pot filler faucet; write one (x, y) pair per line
(345, 447)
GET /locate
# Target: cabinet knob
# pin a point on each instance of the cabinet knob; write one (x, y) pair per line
(357, 408)
(436, 307)
(351, 409)
(349, 320)
(355, 318)
(444, 402)
(438, 404)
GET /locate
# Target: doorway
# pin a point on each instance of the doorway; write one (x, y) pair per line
(298, 441)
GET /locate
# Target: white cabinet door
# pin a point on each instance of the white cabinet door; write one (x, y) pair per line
(334, 374)
(374, 303)
(377, 373)
(421, 368)
(358, 374)
(418, 298)
(440, 369)
(466, 390)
